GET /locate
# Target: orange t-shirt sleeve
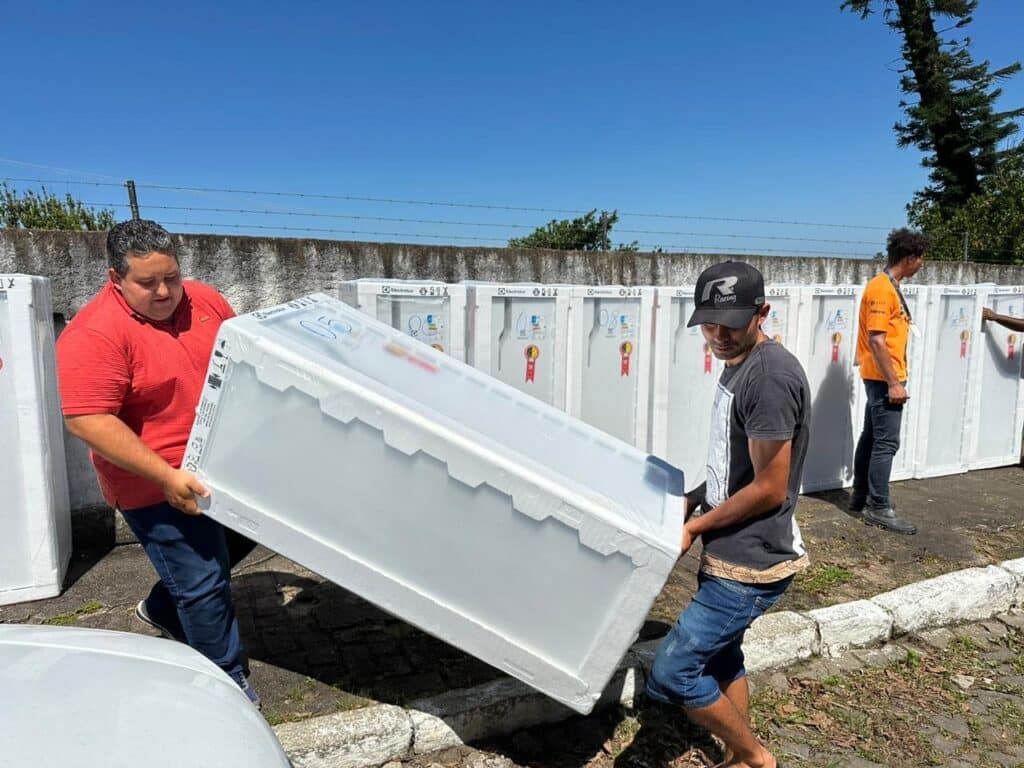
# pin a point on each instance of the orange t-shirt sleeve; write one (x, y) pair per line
(879, 304)
(92, 373)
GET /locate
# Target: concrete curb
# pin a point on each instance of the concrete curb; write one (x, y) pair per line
(375, 735)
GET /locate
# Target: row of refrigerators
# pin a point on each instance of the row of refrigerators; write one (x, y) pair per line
(622, 359)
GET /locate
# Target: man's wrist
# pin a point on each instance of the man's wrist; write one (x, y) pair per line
(164, 474)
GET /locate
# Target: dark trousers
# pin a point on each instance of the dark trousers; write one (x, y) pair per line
(193, 555)
(879, 441)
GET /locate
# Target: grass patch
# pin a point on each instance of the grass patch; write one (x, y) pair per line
(273, 718)
(1018, 664)
(302, 691)
(1010, 716)
(820, 578)
(623, 735)
(350, 703)
(974, 725)
(878, 713)
(964, 644)
(913, 660)
(65, 619)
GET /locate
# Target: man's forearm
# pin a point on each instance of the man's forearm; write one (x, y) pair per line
(1013, 323)
(750, 501)
(112, 439)
(882, 359)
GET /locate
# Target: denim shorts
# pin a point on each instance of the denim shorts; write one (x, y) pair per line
(704, 648)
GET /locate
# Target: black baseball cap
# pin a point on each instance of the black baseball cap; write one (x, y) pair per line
(728, 294)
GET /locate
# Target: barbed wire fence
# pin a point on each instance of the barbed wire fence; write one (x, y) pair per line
(187, 209)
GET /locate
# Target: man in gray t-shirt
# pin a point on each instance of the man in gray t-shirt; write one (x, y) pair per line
(752, 546)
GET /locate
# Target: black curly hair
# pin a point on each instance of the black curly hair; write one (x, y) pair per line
(905, 243)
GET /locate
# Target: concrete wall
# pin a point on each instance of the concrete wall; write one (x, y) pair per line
(83, 488)
(257, 272)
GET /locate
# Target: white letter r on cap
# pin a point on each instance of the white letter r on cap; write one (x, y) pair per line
(726, 286)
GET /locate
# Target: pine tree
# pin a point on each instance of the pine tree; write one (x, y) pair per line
(953, 120)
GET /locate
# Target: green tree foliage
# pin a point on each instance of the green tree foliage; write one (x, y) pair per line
(952, 117)
(992, 220)
(44, 210)
(586, 233)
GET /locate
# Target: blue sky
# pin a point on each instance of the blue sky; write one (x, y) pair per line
(750, 110)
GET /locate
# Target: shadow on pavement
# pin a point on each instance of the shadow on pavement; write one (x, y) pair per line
(650, 737)
(93, 537)
(323, 633)
(667, 738)
(840, 499)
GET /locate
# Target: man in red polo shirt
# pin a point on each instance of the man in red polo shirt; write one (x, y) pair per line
(131, 366)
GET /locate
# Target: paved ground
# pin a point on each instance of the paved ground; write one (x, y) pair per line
(317, 648)
(952, 698)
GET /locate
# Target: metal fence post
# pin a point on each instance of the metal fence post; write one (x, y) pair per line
(132, 199)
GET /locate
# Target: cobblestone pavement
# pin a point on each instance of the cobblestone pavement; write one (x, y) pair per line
(317, 648)
(947, 697)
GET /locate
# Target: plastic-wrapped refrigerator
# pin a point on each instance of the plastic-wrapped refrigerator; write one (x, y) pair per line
(456, 502)
(827, 348)
(996, 441)
(783, 322)
(517, 334)
(610, 343)
(428, 311)
(685, 379)
(36, 543)
(949, 382)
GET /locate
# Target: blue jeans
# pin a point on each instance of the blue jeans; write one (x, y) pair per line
(193, 556)
(879, 441)
(704, 652)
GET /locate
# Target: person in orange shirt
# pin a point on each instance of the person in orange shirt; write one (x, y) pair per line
(882, 334)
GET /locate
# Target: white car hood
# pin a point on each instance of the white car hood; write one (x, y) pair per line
(87, 697)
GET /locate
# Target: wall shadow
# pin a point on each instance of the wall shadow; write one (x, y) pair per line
(830, 449)
(93, 536)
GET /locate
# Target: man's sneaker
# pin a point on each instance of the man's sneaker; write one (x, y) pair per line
(247, 689)
(142, 614)
(886, 519)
